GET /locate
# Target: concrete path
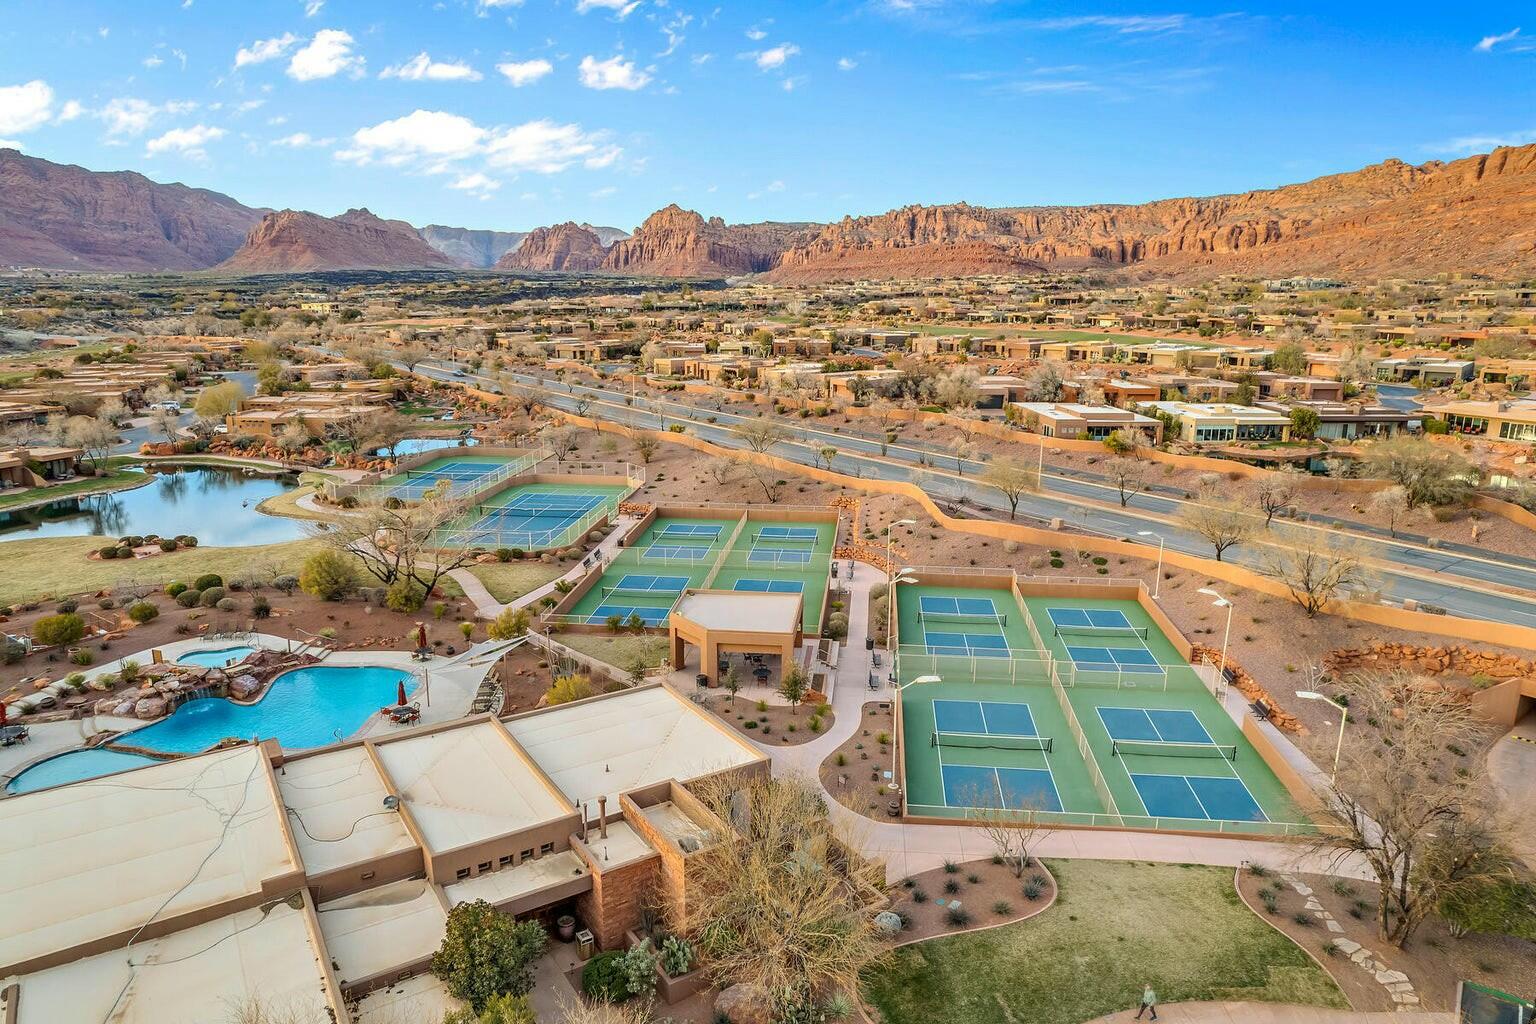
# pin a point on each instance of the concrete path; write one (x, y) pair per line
(487, 607)
(909, 848)
(1512, 766)
(1271, 1013)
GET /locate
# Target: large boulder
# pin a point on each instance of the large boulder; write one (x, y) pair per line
(149, 708)
(244, 687)
(744, 1004)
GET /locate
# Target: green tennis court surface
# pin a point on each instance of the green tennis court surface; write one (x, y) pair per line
(648, 575)
(462, 471)
(534, 516)
(1128, 734)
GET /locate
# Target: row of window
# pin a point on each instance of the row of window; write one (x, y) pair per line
(505, 861)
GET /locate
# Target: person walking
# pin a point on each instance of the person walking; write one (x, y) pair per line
(1148, 1002)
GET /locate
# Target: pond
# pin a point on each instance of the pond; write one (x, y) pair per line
(215, 504)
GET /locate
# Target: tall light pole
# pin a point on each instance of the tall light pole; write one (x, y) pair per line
(890, 533)
(1221, 602)
(1157, 583)
(1343, 714)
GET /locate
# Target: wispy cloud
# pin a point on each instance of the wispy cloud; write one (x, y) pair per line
(775, 56)
(1487, 43)
(621, 8)
(613, 73)
(1465, 145)
(188, 142)
(846, 63)
(422, 68)
(264, 50)
(524, 72)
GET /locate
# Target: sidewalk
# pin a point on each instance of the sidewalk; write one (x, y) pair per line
(487, 607)
(1271, 1013)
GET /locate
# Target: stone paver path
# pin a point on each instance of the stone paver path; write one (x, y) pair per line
(1398, 987)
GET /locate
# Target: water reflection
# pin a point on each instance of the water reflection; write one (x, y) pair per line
(215, 504)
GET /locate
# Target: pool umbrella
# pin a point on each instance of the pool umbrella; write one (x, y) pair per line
(421, 637)
(2, 712)
(400, 693)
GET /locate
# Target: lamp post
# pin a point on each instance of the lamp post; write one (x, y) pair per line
(890, 533)
(1221, 602)
(1343, 714)
(1157, 583)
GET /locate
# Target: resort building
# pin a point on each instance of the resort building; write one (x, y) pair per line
(267, 416)
(1344, 421)
(35, 467)
(317, 877)
(1091, 422)
(1201, 423)
(1431, 371)
(1501, 421)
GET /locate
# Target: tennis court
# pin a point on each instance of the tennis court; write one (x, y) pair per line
(967, 626)
(769, 586)
(462, 472)
(648, 574)
(532, 517)
(640, 595)
(781, 558)
(1119, 646)
(965, 725)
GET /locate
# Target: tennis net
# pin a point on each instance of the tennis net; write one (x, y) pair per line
(667, 593)
(977, 618)
(1140, 632)
(993, 740)
(1164, 748)
(457, 476)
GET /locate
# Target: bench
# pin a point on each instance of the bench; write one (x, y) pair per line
(1261, 710)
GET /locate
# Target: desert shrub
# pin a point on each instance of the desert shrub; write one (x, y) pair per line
(12, 650)
(228, 604)
(211, 597)
(286, 583)
(143, 611)
(404, 596)
(175, 589)
(603, 978)
(188, 598)
(64, 628)
(108, 552)
(261, 607)
(168, 544)
(509, 624)
(208, 579)
(81, 657)
(569, 688)
(328, 575)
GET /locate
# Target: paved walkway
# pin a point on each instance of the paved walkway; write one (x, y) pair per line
(1512, 766)
(1271, 1013)
(487, 607)
(909, 848)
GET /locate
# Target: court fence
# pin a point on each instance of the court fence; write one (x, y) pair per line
(372, 489)
(916, 660)
(1133, 822)
(1084, 749)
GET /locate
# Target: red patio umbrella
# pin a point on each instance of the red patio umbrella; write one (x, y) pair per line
(400, 693)
(2, 712)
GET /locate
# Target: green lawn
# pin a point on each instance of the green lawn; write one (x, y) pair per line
(617, 651)
(57, 566)
(111, 480)
(1181, 929)
(509, 580)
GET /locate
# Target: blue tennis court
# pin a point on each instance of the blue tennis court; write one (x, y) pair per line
(770, 586)
(769, 555)
(697, 530)
(1095, 618)
(967, 785)
(787, 533)
(649, 614)
(973, 645)
(534, 520)
(1158, 725)
(642, 583)
(677, 552)
(1219, 798)
(997, 718)
(459, 474)
(1115, 659)
(930, 604)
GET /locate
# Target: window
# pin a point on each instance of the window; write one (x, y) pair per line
(484, 865)
(366, 875)
(505, 860)
(546, 848)
(525, 855)
(461, 874)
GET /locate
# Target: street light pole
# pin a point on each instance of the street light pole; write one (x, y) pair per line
(1157, 583)
(890, 533)
(1343, 714)
(1221, 602)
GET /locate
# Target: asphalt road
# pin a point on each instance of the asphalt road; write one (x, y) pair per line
(1446, 579)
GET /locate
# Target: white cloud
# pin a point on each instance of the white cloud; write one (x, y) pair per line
(545, 147)
(756, 34)
(846, 63)
(613, 73)
(774, 57)
(1487, 43)
(24, 107)
(620, 8)
(71, 110)
(1468, 144)
(264, 50)
(301, 140)
(423, 68)
(313, 8)
(1132, 24)
(328, 54)
(525, 72)
(476, 184)
(128, 115)
(153, 62)
(605, 157)
(186, 141)
(485, 5)
(422, 135)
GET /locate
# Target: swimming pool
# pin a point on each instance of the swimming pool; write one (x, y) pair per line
(74, 766)
(307, 707)
(216, 659)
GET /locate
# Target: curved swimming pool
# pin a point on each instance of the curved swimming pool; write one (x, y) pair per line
(304, 707)
(216, 659)
(74, 765)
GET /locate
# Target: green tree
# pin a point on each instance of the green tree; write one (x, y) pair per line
(569, 688)
(509, 624)
(1289, 358)
(218, 400)
(792, 686)
(1305, 423)
(328, 575)
(486, 954)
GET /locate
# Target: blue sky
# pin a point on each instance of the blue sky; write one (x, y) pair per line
(507, 114)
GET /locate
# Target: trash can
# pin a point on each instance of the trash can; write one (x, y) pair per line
(586, 945)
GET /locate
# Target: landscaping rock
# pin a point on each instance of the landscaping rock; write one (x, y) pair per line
(149, 708)
(244, 687)
(745, 1004)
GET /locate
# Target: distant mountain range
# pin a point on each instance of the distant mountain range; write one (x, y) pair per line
(1474, 215)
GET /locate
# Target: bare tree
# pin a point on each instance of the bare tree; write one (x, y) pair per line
(1014, 833)
(526, 399)
(785, 902)
(722, 469)
(764, 476)
(958, 389)
(407, 542)
(1130, 476)
(1316, 566)
(1431, 474)
(562, 441)
(1013, 478)
(166, 423)
(1390, 505)
(883, 412)
(825, 455)
(1423, 825)
(645, 447)
(1220, 522)
(1276, 493)
(759, 435)
(92, 436)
